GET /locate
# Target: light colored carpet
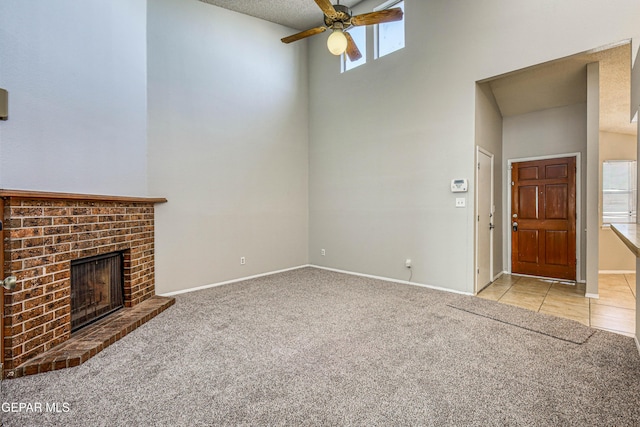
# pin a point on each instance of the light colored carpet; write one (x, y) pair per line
(312, 347)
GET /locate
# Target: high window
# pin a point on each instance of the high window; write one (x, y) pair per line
(359, 35)
(389, 37)
(619, 191)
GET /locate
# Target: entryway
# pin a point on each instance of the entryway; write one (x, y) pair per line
(613, 311)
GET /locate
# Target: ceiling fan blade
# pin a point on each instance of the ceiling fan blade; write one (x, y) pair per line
(327, 8)
(387, 15)
(352, 49)
(304, 34)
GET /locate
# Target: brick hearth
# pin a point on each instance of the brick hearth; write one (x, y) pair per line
(43, 233)
(94, 338)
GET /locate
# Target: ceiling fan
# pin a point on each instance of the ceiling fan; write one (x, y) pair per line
(339, 19)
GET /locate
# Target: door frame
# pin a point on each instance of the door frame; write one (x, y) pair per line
(480, 150)
(507, 224)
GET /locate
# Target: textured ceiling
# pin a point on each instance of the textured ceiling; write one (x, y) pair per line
(564, 82)
(298, 14)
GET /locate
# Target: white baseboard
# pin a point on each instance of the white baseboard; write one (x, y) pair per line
(387, 279)
(594, 296)
(228, 282)
(616, 271)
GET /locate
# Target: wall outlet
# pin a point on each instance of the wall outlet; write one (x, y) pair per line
(323, 252)
(407, 263)
(243, 261)
(461, 202)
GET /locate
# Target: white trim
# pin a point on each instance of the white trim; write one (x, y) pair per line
(242, 279)
(480, 150)
(635, 338)
(387, 279)
(507, 224)
(228, 282)
(594, 296)
(616, 271)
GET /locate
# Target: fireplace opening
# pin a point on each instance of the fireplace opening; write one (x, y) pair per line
(97, 285)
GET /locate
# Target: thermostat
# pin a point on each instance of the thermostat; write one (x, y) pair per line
(459, 185)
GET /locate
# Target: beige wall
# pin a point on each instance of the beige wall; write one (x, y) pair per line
(614, 255)
(227, 144)
(76, 74)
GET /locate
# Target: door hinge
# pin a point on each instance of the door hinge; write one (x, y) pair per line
(478, 166)
(513, 183)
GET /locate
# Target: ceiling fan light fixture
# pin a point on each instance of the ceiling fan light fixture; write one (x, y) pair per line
(337, 42)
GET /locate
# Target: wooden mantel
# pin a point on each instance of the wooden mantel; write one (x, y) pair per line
(630, 235)
(25, 194)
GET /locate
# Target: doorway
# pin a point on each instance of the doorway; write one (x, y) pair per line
(485, 219)
(543, 218)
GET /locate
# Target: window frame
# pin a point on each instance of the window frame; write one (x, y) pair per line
(376, 31)
(344, 59)
(631, 217)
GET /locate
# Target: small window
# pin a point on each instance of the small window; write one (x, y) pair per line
(359, 36)
(389, 36)
(619, 192)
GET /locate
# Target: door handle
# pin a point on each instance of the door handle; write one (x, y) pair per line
(515, 226)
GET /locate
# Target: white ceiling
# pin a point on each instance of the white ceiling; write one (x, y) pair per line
(564, 82)
(298, 14)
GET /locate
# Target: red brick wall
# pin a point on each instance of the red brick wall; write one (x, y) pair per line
(41, 239)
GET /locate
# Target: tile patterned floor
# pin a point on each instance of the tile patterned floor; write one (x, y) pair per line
(614, 311)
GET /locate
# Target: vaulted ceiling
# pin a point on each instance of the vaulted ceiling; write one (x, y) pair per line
(558, 83)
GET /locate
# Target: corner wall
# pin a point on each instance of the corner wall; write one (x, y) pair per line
(228, 144)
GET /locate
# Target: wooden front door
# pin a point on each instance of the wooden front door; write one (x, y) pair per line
(543, 218)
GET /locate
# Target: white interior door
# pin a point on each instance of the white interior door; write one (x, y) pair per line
(484, 215)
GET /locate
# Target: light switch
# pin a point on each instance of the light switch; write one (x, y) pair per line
(461, 202)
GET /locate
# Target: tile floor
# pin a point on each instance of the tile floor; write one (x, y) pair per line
(614, 311)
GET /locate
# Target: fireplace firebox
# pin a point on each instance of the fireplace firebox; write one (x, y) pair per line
(97, 285)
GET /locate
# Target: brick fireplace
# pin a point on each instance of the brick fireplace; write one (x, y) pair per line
(43, 234)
